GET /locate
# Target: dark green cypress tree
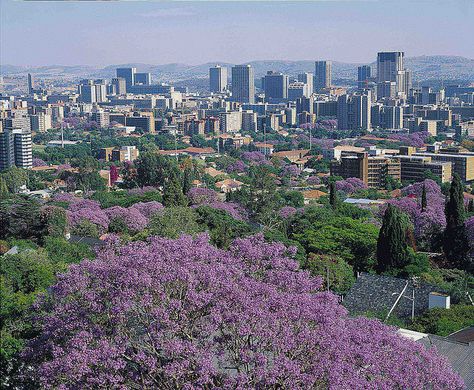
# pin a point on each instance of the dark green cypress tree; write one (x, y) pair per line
(455, 241)
(173, 191)
(392, 245)
(424, 201)
(333, 199)
(187, 179)
(470, 207)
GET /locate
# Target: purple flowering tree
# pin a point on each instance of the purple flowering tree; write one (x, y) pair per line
(313, 180)
(148, 209)
(350, 185)
(198, 196)
(133, 219)
(37, 162)
(237, 167)
(432, 220)
(183, 314)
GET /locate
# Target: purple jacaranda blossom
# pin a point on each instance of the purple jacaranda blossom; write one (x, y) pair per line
(287, 212)
(198, 196)
(234, 209)
(37, 162)
(254, 157)
(236, 167)
(313, 180)
(84, 204)
(415, 139)
(350, 185)
(291, 170)
(134, 220)
(148, 209)
(184, 314)
(432, 220)
(62, 167)
(66, 197)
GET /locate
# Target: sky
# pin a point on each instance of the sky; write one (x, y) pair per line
(100, 33)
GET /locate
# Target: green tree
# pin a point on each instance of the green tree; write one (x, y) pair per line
(455, 241)
(187, 179)
(443, 322)
(173, 191)
(174, 221)
(340, 273)
(152, 169)
(354, 241)
(424, 201)
(392, 244)
(333, 198)
(223, 229)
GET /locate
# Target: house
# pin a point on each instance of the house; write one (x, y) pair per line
(292, 155)
(229, 185)
(213, 172)
(264, 147)
(311, 195)
(378, 294)
(458, 348)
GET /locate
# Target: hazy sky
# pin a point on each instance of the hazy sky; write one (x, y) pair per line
(113, 32)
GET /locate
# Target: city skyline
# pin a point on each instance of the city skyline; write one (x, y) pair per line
(154, 33)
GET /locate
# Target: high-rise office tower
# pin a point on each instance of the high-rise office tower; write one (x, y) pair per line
(142, 79)
(364, 73)
(7, 149)
(128, 74)
(120, 85)
(390, 69)
(30, 84)
(308, 79)
(322, 75)
(217, 79)
(92, 91)
(353, 111)
(243, 87)
(275, 86)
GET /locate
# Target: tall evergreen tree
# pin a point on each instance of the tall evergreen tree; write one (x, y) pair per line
(470, 207)
(333, 199)
(187, 179)
(392, 244)
(424, 201)
(455, 241)
(173, 191)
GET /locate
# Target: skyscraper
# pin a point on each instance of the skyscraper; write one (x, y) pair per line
(92, 91)
(142, 79)
(120, 85)
(243, 87)
(30, 84)
(128, 74)
(217, 79)
(7, 149)
(364, 73)
(390, 68)
(308, 79)
(353, 111)
(322, 75)
(15, 148)
(275, 86)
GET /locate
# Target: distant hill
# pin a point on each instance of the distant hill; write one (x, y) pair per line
(423, 67)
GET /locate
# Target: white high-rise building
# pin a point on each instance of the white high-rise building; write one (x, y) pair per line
(218, 79)
(308, 79)
(243, 84)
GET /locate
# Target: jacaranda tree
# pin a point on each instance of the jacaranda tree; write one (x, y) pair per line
(173, 314)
